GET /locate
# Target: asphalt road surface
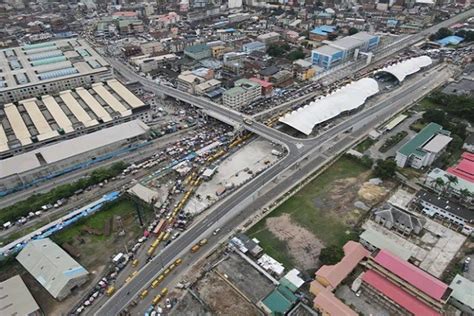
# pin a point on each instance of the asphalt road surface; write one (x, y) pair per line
(247, 199)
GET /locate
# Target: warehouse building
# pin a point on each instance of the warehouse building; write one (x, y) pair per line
(52, 267)
(15, 299)
(31, 123)
(48, 162)
(49, 67)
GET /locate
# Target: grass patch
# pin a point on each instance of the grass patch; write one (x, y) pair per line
(425, 104)
(418, 126)
(322, 222)
(364, 145)
(121, 207)
(273, 246)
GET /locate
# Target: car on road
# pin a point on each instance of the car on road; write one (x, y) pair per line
(216, 231)
(248, 121)
(143, 294)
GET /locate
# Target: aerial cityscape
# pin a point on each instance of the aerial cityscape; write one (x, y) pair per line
(236, 157)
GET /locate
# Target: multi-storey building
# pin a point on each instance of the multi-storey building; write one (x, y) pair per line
(435, 205)
(424, 148)
(242, 93)
(37, 69)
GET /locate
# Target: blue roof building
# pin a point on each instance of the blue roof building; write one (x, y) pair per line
(323, 29)
(450, 40)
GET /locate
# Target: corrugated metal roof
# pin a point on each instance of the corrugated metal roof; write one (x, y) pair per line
(412, 274)
(50, 265)
(398, 295)
(414, 146)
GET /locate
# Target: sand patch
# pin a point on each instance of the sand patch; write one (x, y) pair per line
(303, 246)
(371, 193)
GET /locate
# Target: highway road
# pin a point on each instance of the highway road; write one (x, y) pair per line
(298, 149)
(238, 204)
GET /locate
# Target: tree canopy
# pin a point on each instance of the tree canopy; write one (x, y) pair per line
(385, 169)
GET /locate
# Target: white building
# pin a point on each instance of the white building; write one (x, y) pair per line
(435, 205)
(424, 148)
(30, 123)
(243, 92)
(52, 267)
(49, 67)
(15, 299)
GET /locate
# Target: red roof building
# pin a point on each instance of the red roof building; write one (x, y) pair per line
(328, 304)
(267, 87)
(125, 14)
(416, 289)
(397, 294)
(465, 168)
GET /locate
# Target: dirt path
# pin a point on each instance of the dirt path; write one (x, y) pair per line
(303, 246)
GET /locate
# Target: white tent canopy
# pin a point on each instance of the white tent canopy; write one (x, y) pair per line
(345, 99)
(407, 67)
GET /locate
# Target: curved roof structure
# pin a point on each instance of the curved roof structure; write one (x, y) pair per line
(407, 67)
(345, 99)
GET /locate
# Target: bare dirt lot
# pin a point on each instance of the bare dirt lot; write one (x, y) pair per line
(222, 298)
(190, 306)
(301, 243)
(245, 277)
(324, 212)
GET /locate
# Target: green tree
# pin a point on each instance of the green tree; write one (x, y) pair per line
(353, 31)
(464, 195)
(385, 169)
(275, 50)
(331, 255)
(296, 54)
(451, 180)
(439, 183)
(442, 33)
(436, 116)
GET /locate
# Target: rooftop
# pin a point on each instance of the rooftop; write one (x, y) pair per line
(269, 71)
(70, 148)
(397, 294)
(463, 290)
(346, 43)
(446, 204)
(330, 304)
(15, 299)
(381, 242)
(263, 83)
(323, 30)
(414, 146)
(450, 40)
(50, 265)
(353, 254)
(280, 300)
(49, 61)
(460, 185)
(437, 143)
(413, 275)
(234, 91)
(194, 49)
(465, 168)
(327, 50)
